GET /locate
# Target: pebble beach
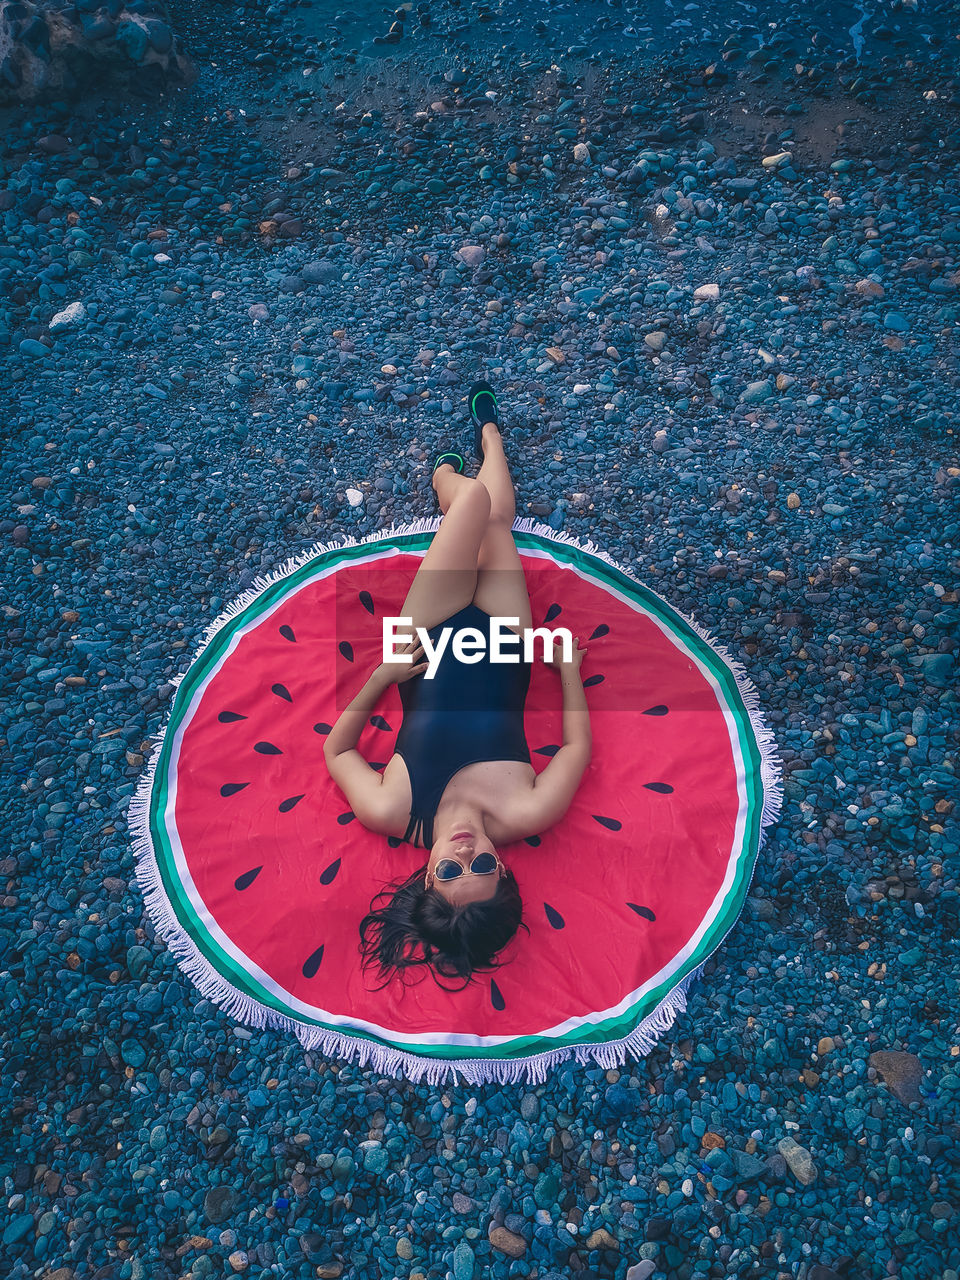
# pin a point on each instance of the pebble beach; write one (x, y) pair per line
(709, 257)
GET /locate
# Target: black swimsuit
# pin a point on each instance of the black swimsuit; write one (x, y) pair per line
(468, 712)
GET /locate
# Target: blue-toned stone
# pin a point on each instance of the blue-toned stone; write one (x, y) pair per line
(463, 1262)
(34, 349)
(618, 1101)
(139, 960)
(529, 1107)
(17, 1228)
(748, 1167)
(729, 1098)
(375, 1159)
(133, 1053)
(757, 392)
(134, 40)
(546, 1190)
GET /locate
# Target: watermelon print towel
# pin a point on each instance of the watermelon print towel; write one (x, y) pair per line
(256, 873)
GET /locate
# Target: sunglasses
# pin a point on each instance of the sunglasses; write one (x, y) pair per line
(482, 865)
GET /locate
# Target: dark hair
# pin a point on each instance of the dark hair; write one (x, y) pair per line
(419, 926)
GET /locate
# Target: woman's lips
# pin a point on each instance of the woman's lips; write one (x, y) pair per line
(462, 835)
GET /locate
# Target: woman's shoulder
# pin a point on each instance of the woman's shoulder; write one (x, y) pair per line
(512, 816)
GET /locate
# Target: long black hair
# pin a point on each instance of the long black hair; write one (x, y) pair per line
(419, 926)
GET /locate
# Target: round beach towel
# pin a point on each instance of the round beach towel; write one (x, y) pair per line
(257, 874)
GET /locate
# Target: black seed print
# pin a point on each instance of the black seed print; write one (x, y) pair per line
(496, 998)
(287, 633)
(548, 751)
(286, 805)
(663, 787)
(311, 965)
(344, 818)
(533, 841)
(610, 823)
(378, 765)
(347, 650)
(553, 612)
(228, 717)
(394, 842)
(267, 749)
(247, 879)
(331, 871)
(282, 692)
(554, 916)
(642, 911)
(658, 710)
(602, 630)
(378, 722)
(367, 601)
(322, 727)
(590, 680)
(231, 788)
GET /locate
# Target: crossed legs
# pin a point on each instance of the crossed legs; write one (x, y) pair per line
(501, 587)
(473, 556)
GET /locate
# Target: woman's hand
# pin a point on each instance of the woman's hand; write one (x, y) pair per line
(398, 672)
(556, 657)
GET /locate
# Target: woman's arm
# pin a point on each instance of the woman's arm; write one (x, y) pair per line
(345, 734)
(361, 784)
(554, 788)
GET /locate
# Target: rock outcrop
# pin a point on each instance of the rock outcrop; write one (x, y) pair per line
(62, 47)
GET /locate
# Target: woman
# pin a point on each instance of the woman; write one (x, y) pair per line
(460, 783)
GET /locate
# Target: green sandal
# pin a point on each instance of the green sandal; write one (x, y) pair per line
(453, 459)
(448, 457)
(483, 408)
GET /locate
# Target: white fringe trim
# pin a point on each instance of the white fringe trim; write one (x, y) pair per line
(385, 1059)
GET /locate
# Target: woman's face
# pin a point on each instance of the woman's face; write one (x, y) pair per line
(469, 886)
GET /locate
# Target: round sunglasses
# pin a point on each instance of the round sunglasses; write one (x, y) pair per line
(482, 865)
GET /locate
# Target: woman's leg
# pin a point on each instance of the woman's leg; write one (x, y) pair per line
(447, 578)
(501, 589)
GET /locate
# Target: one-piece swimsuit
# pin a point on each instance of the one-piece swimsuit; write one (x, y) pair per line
(469, 712)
